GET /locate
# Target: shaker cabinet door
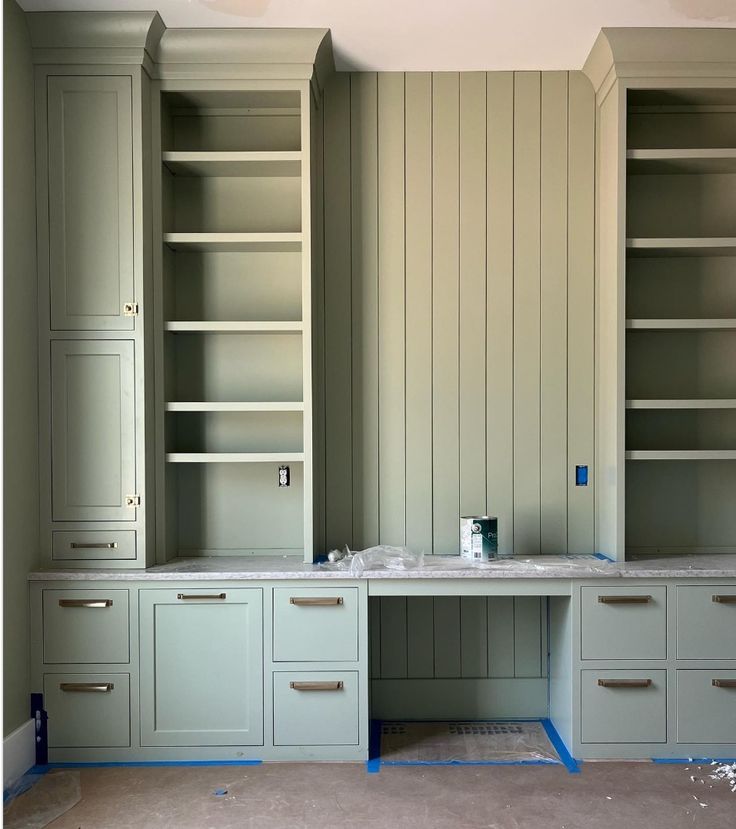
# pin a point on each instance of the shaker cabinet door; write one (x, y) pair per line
(92, 430)
(90, 202)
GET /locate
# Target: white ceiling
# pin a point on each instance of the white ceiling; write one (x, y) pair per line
(431, 34)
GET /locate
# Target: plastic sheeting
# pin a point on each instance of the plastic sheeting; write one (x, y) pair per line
(49, 797)
(466, 742)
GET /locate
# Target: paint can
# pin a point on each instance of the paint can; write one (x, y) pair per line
(478, 537)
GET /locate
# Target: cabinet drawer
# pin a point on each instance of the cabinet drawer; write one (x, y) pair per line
(623, 706)
(315, 624)
(706, 622)
(87, 710)
(624, 622)
(85, 626)
(706, 706)
(84, 545)
(318, 708)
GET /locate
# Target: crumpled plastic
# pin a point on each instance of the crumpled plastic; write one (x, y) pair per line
(382, 557)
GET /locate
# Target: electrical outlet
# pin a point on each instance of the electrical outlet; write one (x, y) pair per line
(284, 476)
(581, 475)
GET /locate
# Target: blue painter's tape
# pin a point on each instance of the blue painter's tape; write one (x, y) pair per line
(570, 763)
(373, 763)
(152, 763)
(603, 557)
(688, 761)
(469, 763)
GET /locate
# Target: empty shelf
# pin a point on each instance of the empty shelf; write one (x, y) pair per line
(235, 242)
(681, 246)
(681, 454)
(235, 407)
(235, 327)
(681, 404)
(232, 164)
(644, 162)
(680, 324)
(235, 457)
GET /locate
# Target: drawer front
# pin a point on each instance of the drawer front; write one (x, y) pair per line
(85, 626)
(315, 624)
(624, 622)
(706, 622)
(87, 710)
(84, 545)
(316, 708)
(623, 706)
(706, 706)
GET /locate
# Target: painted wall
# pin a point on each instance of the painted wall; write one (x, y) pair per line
(20, 383)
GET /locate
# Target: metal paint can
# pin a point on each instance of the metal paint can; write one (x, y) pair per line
(478, 537)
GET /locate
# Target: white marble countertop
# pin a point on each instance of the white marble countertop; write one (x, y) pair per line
(237, 568)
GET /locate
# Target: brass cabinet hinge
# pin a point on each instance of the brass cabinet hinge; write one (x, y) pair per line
(132, 500)
(130, 309)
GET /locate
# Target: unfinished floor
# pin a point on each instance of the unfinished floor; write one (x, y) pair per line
(302, 796)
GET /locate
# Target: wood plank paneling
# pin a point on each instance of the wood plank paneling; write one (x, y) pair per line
(420, 636)
(447, 636)
(393, 637)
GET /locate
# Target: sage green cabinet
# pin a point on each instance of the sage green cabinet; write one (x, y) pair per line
(706, 706)
(90, 202)
(201, 667)
(706, 622)
(93, 430)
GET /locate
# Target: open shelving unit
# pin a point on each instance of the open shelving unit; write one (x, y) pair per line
(236, 355)
(680, 325)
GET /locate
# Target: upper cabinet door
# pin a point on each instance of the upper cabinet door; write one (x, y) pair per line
(90, 150)
(93, 430)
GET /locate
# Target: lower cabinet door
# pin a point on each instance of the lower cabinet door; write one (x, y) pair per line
(623, 706)
(87, 710)
(201, 663)
(315, 708)
(706, 706)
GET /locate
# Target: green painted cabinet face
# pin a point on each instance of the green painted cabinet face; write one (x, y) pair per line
(706, 706)
(90, 202)
(706, 622)
(92, 430)
(201, 666)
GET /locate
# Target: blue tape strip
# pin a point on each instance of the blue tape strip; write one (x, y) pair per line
(570, 763)
(688, 761)
(603, 557)
(149, 763)
(469, 763)
(373, 763)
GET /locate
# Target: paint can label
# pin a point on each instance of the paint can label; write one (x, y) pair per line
(478, 537)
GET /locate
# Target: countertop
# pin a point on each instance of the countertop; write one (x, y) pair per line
(237, 568)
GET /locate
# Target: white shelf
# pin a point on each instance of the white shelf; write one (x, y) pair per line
(203, 326)
(234, 164)
(235, 242)
(235, 457)
(681, 404)
(645, 162)
(681, 324)
(235, 407)
(681, 454)
(682, 246)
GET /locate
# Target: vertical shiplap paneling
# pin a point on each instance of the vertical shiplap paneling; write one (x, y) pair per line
(527, 638)
(420, 636)
(527, 310)
(580, 300)
(553, 457)
(338, 316)
(391, 284)
(418, 250)
(500, 305)
(374, 632)
(445, 310)
(472, 369)
(364, 239)
(393, 637)
(474, 636)
(500, 636)
(447, 636)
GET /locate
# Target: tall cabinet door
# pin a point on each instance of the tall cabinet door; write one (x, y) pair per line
(92, 430)
(90, 190)
(201, 664)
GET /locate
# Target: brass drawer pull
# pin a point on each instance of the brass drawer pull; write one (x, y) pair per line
(316, 601)
(87, 687)
(85, 602)
(188, 596)
(725, 598)
(625, 683)
(723, 683)
(316, 686)
(624, 599)
(94, 545)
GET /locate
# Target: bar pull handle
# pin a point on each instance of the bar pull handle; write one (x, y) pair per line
(87, 687)
(723, 683)
(316, 686)
(85, 602)
(624, 599)
(316, 601)
(200, 596)
(625, 683)
(725, 598)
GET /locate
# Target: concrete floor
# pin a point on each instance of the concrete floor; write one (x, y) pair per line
(328, 796)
